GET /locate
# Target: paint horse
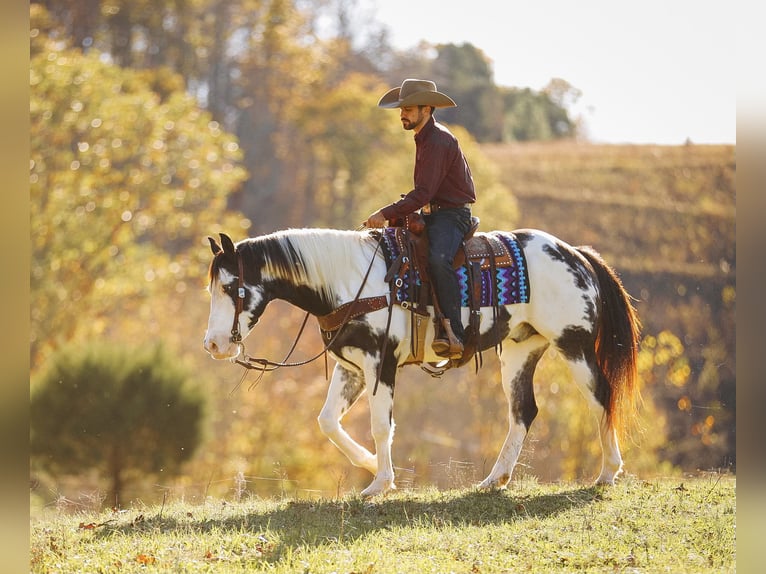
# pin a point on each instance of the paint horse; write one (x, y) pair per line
(576, 305)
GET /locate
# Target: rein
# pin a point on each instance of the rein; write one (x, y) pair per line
(265, 365)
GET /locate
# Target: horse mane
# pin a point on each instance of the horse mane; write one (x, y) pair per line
(215, 266)
(315, 258)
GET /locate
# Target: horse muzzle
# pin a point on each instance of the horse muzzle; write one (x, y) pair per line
(221, 348)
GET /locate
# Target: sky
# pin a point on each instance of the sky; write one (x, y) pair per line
(655, 71)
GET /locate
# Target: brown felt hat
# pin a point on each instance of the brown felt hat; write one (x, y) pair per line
(415, 93)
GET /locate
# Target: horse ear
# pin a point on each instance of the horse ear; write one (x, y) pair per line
(214, 246)
(227, 244)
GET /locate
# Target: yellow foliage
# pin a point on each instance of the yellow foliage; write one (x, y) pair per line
(123, 188)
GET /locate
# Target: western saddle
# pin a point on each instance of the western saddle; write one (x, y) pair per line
(479, 251)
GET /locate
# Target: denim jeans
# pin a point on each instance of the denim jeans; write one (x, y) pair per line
(446, 229)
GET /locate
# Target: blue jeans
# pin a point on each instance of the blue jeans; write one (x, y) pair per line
(446, 229)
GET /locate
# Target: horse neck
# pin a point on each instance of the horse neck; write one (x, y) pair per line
(330, 270)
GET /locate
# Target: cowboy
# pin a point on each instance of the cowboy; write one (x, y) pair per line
(443, 191)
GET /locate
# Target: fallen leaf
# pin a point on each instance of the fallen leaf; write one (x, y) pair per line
(146, 559)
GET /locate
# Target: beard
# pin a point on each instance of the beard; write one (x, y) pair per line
(410, 125)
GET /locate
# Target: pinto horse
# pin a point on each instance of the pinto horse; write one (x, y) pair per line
(577, 305)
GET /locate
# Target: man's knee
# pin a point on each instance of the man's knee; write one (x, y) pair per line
(441, 270)
(437, 260)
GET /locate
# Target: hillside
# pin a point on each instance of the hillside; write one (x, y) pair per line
(646, 208)
(664, 217)
(661, 525)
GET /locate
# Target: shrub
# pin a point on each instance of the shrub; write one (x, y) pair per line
(122, 412)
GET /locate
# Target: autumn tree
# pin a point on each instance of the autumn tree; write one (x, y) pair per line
(124, 412)
(465, 71)
(260, 66)
(127, 177)
(529, 115)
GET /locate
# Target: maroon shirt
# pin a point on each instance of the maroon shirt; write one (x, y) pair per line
(442, 174)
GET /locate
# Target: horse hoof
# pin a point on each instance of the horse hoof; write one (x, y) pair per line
(499, 483)
(605, 482)
(375, 490)
(490, 486)
(608, 478)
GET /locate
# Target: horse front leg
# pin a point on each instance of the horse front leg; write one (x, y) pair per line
(346, 387)
(381, 424)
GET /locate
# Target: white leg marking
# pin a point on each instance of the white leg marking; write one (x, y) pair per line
(611, 459)
(517, 362)
(382, 426)
(345, 388)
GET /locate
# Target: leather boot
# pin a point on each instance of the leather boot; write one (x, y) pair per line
(446, 344)
(440, 344)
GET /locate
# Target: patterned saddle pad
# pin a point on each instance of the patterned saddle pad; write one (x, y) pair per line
(504, 283)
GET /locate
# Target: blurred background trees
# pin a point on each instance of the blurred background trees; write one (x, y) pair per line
(293, 79)
(127, 413)
(156, 124)
(127, 175)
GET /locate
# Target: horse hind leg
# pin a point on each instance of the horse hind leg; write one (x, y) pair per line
(518, 362)
(595, 388)
(346, 387)
(611, 459)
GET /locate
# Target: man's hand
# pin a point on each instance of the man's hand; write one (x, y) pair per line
(376, 220)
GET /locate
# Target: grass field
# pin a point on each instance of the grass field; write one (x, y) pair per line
(661, 525)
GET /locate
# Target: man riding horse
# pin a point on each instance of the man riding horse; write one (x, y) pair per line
(443, 191)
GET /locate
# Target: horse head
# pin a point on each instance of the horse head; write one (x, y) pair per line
(236, 302)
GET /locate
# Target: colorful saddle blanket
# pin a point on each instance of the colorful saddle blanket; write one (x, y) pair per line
(503, 268)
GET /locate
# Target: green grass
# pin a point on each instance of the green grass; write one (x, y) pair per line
(659, 525)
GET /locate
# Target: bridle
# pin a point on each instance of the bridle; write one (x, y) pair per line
(266, 365)
(236, 336)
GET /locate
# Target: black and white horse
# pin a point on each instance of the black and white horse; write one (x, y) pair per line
(577, 305)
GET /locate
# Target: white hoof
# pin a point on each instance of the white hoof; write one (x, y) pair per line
(377, 488)
(605, 481)
(491, 483)
(607, 477)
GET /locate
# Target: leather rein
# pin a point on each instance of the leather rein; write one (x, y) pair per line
(266, 365)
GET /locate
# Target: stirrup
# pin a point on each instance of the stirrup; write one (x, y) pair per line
(449, 347)
(436, 370)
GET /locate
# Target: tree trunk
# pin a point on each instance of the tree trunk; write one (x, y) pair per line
(115, 471)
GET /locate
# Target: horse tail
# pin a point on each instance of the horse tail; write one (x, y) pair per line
(617, 337)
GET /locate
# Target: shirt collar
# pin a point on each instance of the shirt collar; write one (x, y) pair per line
(423, 134)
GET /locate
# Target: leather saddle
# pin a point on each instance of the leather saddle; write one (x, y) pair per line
(479, 251)
(483, 249)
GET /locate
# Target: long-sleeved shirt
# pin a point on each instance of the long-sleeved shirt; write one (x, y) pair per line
(441, 175)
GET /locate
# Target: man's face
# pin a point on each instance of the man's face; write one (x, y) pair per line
(413, 117)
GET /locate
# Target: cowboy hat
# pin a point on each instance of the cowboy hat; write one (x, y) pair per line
(415, 93)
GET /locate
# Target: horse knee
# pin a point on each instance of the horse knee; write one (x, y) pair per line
(383, 430)
(328, 424)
